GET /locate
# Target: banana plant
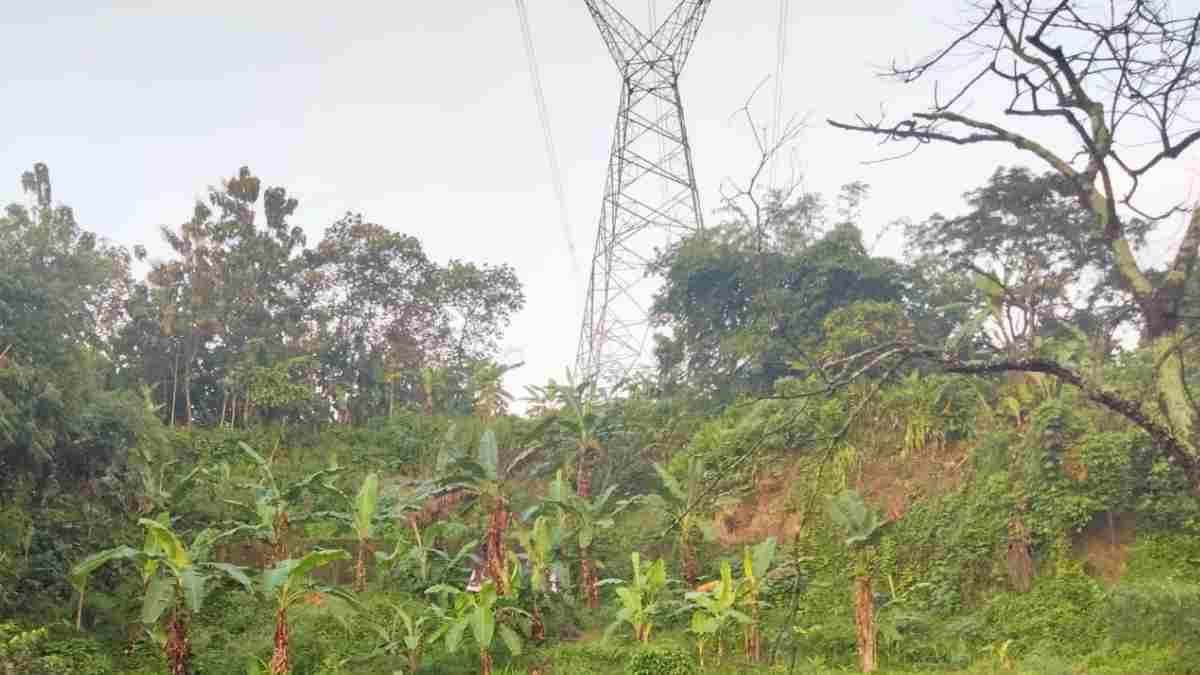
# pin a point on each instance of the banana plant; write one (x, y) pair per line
(182, 586)
(419, 556)
(640, 601)
(485, 613)
(756, 562)
(714, 612)
(681, 503)
(585, 518)
(361, 517)
(288, 583)
(541, 542)
(159, 484)
(406, 634)
(366, 503)
(862, 526)
(578, 415)
(483, 478)
(271, 514)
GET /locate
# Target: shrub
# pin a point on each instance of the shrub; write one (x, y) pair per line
(660, 662)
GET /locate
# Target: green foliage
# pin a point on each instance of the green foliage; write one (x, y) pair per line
(660, 662)
(484, 613)
(861, 524)
(640, 601)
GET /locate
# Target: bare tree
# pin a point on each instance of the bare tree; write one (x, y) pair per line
(1119, 79)
(756, 202)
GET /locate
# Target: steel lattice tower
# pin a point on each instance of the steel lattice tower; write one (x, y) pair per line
(650, 195)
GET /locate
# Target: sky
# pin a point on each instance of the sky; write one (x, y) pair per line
(421, 116)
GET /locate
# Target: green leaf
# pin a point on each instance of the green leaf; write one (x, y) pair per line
(258, 459)
(511, 639)
(860, 522)
(82, 570)
(159, 595)
(483, 626)
(454, 636)
(365, 505)
(291, 570)
(669, 481)
(763, 555)
(489, 454)
(587, 532)
(169, 543)
(236, 573)
(193, 583)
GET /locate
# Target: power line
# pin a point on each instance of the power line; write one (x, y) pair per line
(781, 46)
(539, 94)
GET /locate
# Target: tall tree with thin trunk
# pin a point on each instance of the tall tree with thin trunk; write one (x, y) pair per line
(1119, 81)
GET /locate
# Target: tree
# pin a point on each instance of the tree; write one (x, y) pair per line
(484, 613)
(714, 611)
(682, 505)
(1035, 256)
(585, 518)
(182, 589)
(741, 310)
(1109, 77)
(361, 516)
(485, 478)
(585, 420)
(862, 527)
(288, 583)
(756, 562)
(272, 512)
(372, 290)
(541, 542)
(62, 293)
(639, 598)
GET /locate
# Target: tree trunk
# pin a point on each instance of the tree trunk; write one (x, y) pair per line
(279, 544)
(1020, 562)
(79, 609)
(178, 648)
(583, 487)
(187, 395)
(174, 388)
(485, 662)
(687, 556)
(539, 627)
(497, 525)
(360, 567)
(864, 620)
(280, 664)
(587, 579)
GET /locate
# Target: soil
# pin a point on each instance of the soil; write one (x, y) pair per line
(1104, 546)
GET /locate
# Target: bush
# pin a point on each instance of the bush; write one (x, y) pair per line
(660, 662)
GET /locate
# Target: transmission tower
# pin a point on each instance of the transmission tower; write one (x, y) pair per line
(650, 196)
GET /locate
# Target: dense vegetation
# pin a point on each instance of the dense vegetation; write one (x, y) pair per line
(256, 456)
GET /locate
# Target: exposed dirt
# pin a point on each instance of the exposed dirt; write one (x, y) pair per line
(894, 483)
(890, 483)
(1104, 546)
(766, 513)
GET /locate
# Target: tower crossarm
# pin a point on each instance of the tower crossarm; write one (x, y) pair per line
(624, 41)
(682, 26)
(671, 42)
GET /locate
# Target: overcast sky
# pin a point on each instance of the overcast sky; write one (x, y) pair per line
(421, 116)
